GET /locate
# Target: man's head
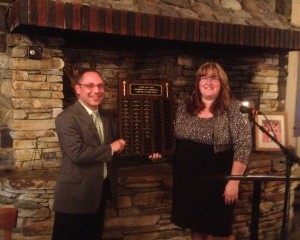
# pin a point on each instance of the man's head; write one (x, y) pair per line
(90, 88)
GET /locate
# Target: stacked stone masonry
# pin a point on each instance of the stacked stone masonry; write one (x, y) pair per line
(144, 202)
(34, 91)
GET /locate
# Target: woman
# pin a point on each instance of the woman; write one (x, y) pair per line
(212, 139)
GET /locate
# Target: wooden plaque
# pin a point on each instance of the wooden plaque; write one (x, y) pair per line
(146, 117)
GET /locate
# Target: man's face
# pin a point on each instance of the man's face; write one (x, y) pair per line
(90, 90)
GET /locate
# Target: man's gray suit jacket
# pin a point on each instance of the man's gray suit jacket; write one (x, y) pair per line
(80, 175)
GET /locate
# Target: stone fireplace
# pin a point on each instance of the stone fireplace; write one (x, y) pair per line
(131, 41)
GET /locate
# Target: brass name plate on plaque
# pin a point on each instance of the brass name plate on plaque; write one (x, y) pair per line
(146, 117)
(145, 89)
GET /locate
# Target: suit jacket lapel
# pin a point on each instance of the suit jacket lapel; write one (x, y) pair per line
(85, 118)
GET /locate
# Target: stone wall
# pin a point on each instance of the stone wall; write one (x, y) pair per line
(35, 90)
(248, 70)
(5, 112)
(245, 12)
(31, 89)
(144, 202)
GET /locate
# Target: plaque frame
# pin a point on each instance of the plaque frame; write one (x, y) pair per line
(146, 118)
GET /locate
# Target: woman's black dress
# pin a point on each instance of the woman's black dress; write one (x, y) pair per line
(206, 147)
(198, 201)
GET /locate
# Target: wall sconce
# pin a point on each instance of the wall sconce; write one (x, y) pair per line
(34, 52)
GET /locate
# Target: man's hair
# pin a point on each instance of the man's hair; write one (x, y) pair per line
(82, 72)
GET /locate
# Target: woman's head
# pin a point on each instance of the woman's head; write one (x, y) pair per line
(211, 84)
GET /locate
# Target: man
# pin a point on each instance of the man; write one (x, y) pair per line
(88, 145)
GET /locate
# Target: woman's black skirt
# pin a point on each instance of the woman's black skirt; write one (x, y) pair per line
(198, 201)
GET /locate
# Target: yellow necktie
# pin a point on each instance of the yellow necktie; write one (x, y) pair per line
(98, 124)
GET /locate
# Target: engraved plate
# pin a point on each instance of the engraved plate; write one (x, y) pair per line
(145, 89)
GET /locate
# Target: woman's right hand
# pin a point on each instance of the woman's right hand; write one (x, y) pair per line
(155, 156)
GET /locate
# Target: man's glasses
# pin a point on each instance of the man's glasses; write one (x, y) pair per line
(92, 86)
(213, 79)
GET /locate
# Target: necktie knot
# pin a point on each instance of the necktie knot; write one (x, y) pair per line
(94, 116)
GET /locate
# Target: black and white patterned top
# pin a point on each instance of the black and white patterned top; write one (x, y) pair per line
(230, 130)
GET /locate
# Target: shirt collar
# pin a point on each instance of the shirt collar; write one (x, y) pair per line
(90, 111)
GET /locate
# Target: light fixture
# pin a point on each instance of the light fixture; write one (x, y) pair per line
(249, 99)
(34, 52)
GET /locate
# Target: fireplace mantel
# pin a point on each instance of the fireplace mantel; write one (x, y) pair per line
(56, 15)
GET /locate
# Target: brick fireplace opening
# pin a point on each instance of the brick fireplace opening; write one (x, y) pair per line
(127, 45)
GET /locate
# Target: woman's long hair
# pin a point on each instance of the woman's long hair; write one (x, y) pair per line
(221, 104)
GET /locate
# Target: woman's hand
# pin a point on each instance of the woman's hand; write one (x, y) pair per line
(155, 156)
(231, 192)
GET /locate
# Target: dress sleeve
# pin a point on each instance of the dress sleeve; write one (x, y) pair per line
(179, 111)
(241, 134)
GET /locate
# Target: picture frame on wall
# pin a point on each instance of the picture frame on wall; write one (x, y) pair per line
(276, 124)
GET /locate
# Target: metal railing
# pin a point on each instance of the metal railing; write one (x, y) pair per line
(256, 198)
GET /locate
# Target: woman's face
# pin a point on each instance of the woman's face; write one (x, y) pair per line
(209, 87)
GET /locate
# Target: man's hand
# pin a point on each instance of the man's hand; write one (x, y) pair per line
(118, 145)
